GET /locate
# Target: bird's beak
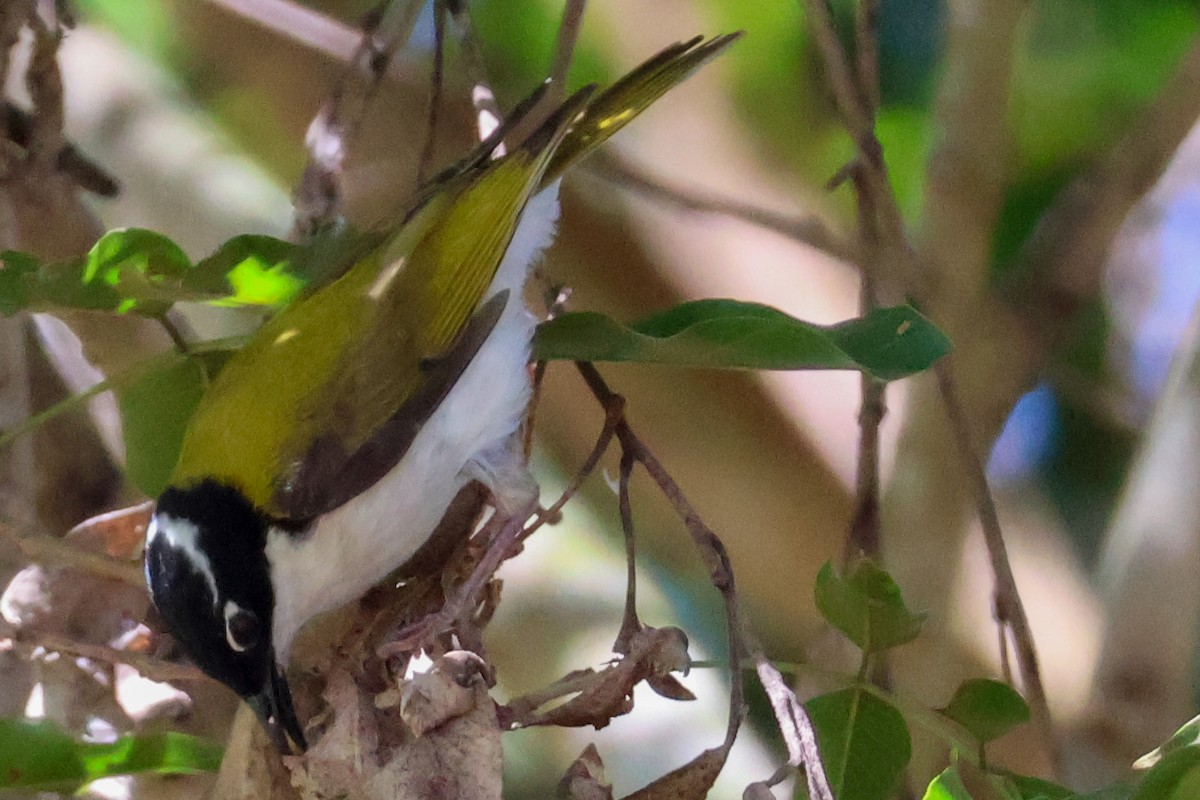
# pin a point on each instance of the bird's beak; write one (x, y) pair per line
(273, 704)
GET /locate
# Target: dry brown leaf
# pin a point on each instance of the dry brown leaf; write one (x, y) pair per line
(118, 534)
(668, 686)
(758, 791)
(692, 781)
(584, 779)
(459, 759)
(653, 654)
(444, 692)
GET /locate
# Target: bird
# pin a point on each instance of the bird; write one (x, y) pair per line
(326, 451)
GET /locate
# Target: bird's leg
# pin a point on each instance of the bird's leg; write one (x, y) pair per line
(503, 470)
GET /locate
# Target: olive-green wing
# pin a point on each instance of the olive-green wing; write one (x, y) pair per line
(619, 104)
(348, 359)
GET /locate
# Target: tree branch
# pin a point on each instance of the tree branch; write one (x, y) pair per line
(806, 230)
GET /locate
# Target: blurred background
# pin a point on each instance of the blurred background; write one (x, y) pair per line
(200, 110)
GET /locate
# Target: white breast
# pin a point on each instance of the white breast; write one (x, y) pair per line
(357, 545)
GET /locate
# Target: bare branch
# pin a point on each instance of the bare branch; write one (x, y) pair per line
(1010, 611)
(894, 239)
(310, 28)
(52, 551)
(487, 110)
(435, 91)
(866, 44)
(630, 624)
(153, 668)
(564, 47)
(806, 230)
(318, 197)
(797, 728)
(864, 534)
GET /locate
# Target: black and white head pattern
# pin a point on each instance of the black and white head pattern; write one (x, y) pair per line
(210, 580)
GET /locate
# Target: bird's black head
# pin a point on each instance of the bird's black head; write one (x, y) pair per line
(209, 576)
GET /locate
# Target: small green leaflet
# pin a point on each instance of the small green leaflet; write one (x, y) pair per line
(866, 605)
(39, 756)
(140, 271)
(988, 709)
(888, 343)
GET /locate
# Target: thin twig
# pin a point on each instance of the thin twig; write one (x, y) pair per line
(564, 48)
(487, 110)
(613, 416)
(864, 534)
(312, 29)
(797, 728)
(859, 122)
(866, 45)
(48, 550)
(807, 230)
(630, 624)
(318, 197)
(153, 668)
(1010, 611)
(436, 81)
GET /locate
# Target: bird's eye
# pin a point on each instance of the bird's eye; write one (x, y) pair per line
(242, 627)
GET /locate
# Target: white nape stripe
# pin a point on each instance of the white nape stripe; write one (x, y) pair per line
(184, 537)
(232, 608)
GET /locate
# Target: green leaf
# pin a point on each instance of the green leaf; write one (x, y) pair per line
(248, 270)
(1175, 777)
(988, 709)
(14, 288)
(143, 266)
(947, 785)
(863, 741)
(963, 781)
(37, 755)
(888, 343)
(145, 272)
(1186, 736)
(866, 606)
(155, 411)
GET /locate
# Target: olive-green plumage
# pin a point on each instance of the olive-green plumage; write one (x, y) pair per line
(334, 368)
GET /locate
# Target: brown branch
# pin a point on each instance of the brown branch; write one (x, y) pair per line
(318, 197)
(564, 47)
(630, 624)
(436, 80)
(1010, 611)
(612, 419)
(312, 29)
(797, 729)
(806, 230)
(153, 668)
(866, 44)
(487, 110)
(860, 124)
(864, 534)
(893, 238)
(52, 551)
